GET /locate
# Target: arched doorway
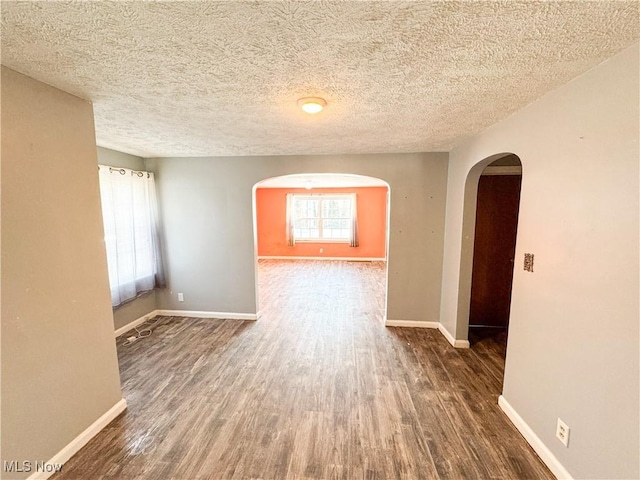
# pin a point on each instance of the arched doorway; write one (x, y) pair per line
(277, 235)
(497, 208)
(490, 218)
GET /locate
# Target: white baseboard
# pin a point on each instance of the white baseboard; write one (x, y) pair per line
(451, 340)
(417, 324)
(346, 259)
(199, 314)
(135, 323)
(529, 435)
(411, 324)
(81, 440)
(187, 313)
(256, 316)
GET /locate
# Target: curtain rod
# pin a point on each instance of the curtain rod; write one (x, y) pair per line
(123, 171)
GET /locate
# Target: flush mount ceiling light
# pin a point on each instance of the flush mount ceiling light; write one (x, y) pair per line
(312, 104)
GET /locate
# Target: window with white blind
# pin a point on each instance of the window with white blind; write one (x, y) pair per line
(130, 218)
(322, 218)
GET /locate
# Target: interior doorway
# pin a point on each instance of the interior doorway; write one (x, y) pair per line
(496, 223)
(306, 225)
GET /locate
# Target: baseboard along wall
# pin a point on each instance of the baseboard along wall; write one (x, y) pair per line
(417, 324)
(256, 316)
(346, 259)
(135, 323)
(187, 313)
(202, 314)
(456, 343)
(532, 439)
(411, 324)
(81, 440)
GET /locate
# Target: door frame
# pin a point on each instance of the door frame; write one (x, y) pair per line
(496, 291)
(468, 239)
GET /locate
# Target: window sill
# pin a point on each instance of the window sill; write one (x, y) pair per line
(328, 240)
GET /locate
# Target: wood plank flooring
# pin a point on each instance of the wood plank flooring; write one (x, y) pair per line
(317, 388)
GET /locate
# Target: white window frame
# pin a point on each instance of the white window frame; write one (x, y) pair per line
(321, 197)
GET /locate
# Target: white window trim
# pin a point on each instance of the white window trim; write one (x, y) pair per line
(328, 196)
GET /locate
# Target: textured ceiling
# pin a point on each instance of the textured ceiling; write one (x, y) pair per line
(222, 78)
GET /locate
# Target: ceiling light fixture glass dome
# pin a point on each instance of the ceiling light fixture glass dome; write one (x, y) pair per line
(312, 105)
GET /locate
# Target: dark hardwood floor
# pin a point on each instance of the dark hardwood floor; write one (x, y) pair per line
(317, 388)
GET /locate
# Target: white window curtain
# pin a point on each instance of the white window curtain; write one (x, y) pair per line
(130, 216)
(353, 241)
(291, 238)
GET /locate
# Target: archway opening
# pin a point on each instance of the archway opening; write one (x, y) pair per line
(490, 220)
(497, 208)
(321, 228)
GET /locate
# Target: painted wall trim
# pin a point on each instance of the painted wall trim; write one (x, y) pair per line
(451, 339)
(347, 259)
(256, 316)
(81, 440)
(529, 435)
(135, 323)
(187, 313)
(201, 314)
(417, 324)
(411, 324)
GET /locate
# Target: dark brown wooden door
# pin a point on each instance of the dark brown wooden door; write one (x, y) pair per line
(494, 249)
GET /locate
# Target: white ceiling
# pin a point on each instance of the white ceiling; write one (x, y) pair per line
(222, 78)
(322, 180)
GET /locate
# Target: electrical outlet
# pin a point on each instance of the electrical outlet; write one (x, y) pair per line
(181, 297)
(562, 432)
(322, 250)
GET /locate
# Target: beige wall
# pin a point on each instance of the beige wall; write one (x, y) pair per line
(130, 311)
(59, 365)
(206, 210)
(573, 335)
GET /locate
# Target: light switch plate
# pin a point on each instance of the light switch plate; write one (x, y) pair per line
(528, 262)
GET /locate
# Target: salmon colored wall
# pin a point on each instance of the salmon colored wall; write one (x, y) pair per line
(271, 209)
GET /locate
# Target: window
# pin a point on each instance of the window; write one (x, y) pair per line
(322, 218)
(129, 214)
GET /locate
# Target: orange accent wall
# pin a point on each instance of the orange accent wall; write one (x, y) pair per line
(271, 215)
